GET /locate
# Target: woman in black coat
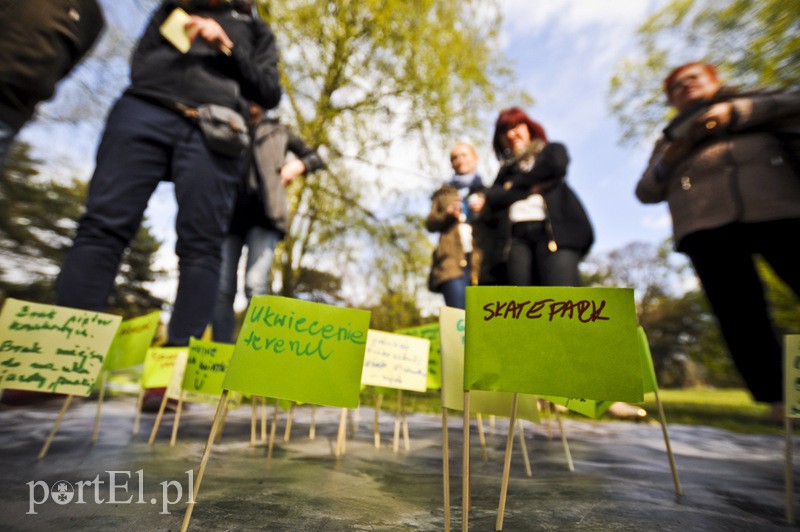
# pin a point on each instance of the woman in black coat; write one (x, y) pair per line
(546, 227)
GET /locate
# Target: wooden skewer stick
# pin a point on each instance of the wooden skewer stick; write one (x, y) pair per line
(157, 423)
(52, 435)
(525, 457)
(138, 416)
(176, 421)
(287, 434)
(564, 443)
(507, 463)
(101, 395)
(675, 480)
(446, 470)
(263, 419)
(482, 437)
(312, 428)
(253, 421)
(465, 502)
(206, 454)
(397, 421)
(272, 431)
(376, 433)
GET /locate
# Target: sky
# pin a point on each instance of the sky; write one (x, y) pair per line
(563, 52)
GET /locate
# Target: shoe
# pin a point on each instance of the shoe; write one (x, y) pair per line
(152, 401)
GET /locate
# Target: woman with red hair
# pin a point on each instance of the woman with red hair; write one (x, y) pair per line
(548, 231)
(732, 183)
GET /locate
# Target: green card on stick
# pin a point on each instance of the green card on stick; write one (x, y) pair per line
(132, 341)
(431, 332)
(561, 341)
(300, 351)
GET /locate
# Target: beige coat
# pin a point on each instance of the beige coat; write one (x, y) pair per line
(448, 259)
(741, 176)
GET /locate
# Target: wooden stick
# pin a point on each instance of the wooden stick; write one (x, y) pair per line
(376, 433)
(253, 421)
(492, 423)
(263, 419)
(549, 409)
(528, 470)
(397, 421)
(564, 443)
(341, 434)
(157, 424)
(52, 435)
(352, 423)
(287, 434)
(446, 470)
(206, 454)
(465, 502)
(481, 437)
(222, 423)
(138, 416)
(674, 469)
(507, 463)
(272, 431)
(312, 429)
(102, 393)
(406, 440)
(789, 476)
(176, 421)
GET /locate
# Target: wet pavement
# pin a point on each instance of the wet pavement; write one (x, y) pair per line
(621, 481)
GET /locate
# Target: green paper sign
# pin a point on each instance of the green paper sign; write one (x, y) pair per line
(132, 341)
(158, 365)
(205, 370)
(430, 332)
(47, 348)
(560, 341)
(300, 351)
(791, 355)
(452, 325)
(648, 369)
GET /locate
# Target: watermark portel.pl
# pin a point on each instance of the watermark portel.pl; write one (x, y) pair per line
(113, 491)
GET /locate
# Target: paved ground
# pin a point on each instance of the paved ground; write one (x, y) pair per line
(621, 479)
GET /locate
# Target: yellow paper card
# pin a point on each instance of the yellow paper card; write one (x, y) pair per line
(47, 348)
(174, 29)
(396, 361)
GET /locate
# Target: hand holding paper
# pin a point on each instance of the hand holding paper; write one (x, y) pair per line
(210, 31)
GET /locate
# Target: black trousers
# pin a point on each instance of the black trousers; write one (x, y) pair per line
(531, 263)
(724, 261)
(142, 145)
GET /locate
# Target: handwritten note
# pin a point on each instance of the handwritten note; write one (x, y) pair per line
(560, 341)
(300, 351)
(791, 348)
(205, 370)
(429, 331)
(395, 361)
(47, 348)
(452, 323)
(158, 365)
(132, 341)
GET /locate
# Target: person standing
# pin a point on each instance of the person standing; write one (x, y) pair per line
(40, 43)
(456, 259)
(733, 193)
(547, 230)
(261, 215)
(151, 135)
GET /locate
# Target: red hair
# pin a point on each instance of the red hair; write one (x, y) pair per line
(509, 119)
(710, 69)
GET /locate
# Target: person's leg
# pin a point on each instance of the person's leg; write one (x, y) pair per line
(773, 240)
(223, 321)
(723, 261)
(131, 160)
(7, 135)
(261, 244)
(559, 268)
(522, 266)
(205, 188)
(455, 292)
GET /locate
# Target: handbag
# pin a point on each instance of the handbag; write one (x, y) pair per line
(224, 129)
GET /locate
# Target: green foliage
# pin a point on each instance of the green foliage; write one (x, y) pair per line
(752, 42)
(37, 219)
(359, 78)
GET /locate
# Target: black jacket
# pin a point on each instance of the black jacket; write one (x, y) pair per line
(570, 224)
(40, 43)
(205, 75)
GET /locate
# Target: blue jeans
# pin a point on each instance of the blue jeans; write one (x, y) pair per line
(7, 134)
(455, 290)
(261, 243)
(142, 145)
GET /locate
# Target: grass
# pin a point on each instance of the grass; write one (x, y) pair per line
(729, 409)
